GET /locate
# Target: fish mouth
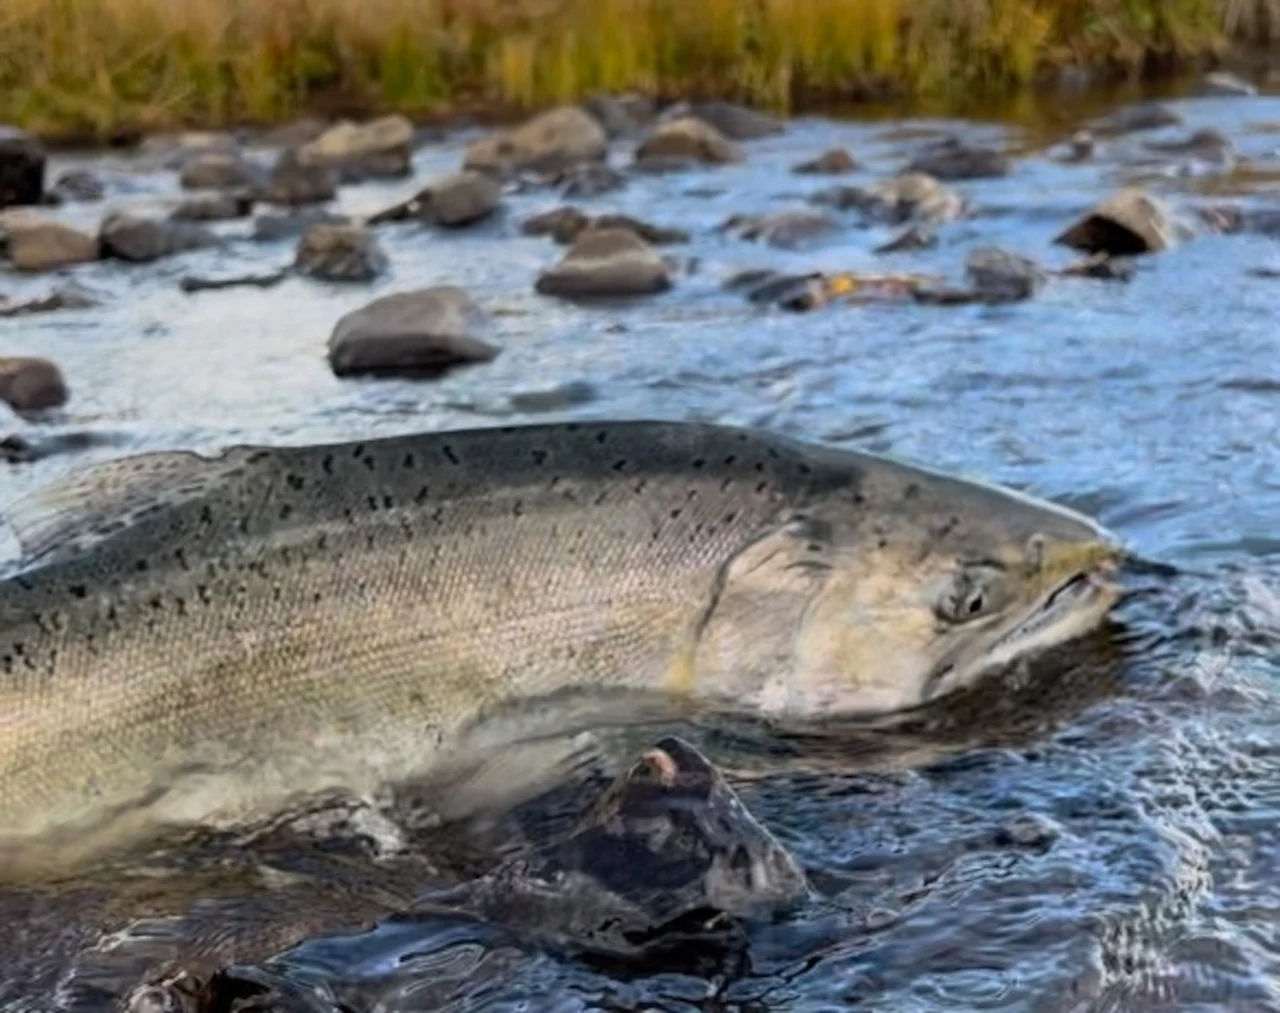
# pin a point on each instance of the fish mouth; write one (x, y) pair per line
(1070, 609)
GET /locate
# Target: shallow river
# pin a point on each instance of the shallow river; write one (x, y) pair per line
(1115, 848)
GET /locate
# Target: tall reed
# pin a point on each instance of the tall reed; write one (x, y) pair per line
(104, 65)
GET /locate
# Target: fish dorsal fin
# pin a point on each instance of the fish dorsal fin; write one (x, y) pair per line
(65, 517)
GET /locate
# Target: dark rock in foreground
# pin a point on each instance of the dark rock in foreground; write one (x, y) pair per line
(835, 162)
(340, 253)
(685, 143)
(141, 240)
(1127, 223)
(606, 263)
(421, 333)
(953, 159)
(1000, 276)
(29, 384)
(22, 166)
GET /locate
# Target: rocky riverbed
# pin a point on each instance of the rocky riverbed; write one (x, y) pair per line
(1086, 310)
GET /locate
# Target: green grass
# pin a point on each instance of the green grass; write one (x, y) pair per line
(102, 66)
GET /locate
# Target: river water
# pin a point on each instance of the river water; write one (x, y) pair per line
(1112, 849)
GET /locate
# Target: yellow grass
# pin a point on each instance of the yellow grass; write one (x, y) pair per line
(105, 65)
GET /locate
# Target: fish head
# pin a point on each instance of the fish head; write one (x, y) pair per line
(901, 588)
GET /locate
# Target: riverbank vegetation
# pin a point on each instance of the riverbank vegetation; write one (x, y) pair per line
(103, 66)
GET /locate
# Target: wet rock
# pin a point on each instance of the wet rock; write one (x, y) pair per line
(588, 179)
(565, 224)
(736, 122)
(835, 162)
(551, 141)
(952, 159)
(1029, 830)
(67, 297)
(420, 333)
(1101, 266)
(141, 240)
(620, 115)
(380, 148)
(698, 868)
(1208, 144)
(46, 245)
(913, 237)
(685, 143)
(1133, 119)
(606, 263)
(566, 395)
(213, 207)
(786, 229)
(910, 197)
(173, 151)
(218, 171)
(31, 384)
(197, 283)
(1127, 223)
(1081, 147)
(22, 167)
(1222, 84)
(340, 253)
(294, 183)
(796, 292)
(451, 201)
(1000, 276)
(79, 185)
(272, 227)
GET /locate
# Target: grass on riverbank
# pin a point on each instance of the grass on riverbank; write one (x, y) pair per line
(98, 66)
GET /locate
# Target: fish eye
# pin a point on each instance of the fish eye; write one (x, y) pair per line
(976, 591)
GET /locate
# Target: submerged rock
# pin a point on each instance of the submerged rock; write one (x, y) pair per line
(141, 240)
(198, 283)
(1101, 266)
(29, 384)
(620, 115)
(952, 159)
(1222, 84)
(273, 226)
(79, 185)
(550, 141)
(835, 162)
(685, 143)
(452, 201)
(22, 167)
(380, 148)
(39, 245)
(420, 333)
(1208, 144)
(565, 224)
(1145, 116)
(213, 207)
(293, 182)
(736, 122)
(1000, 276)
(1081, 147)
(588, 179)
(66, 297)
(219, 171)
(698, 869)
(1127, 223)
(340, 253)
(605, 263)
(787, 229)
(913, 237)
(910, 197)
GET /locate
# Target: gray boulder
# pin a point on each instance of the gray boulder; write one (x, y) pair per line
(606, 263)
(141, 240)
(380, 148)
(38, 245)
(340, 253)
(29, 384)
(551, 141)
(420, 333)
(452, 201)
(22, 165)
(685, 143)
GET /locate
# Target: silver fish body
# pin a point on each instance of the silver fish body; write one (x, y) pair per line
(194, 637)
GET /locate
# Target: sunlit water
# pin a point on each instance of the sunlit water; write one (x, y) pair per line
(1114, 850)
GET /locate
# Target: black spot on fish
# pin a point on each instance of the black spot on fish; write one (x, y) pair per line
(78, 590)
(155, 602)
(322, 542)
(911, 491)
(19, 648)
(761, 487)
(730, 517)
(448, 452)
(373, 502)
(676, 513)
(327, 464)
(387, 502)
(142, 566)
(285, 511)
(804, 469)
(408, 461)
(422, 495)
(517, 509)
(698, 463)
(539, 456)
(202, 592)
(357, 451)
(619, 465)
(601, 436)
(206, 516)
(295, 481)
